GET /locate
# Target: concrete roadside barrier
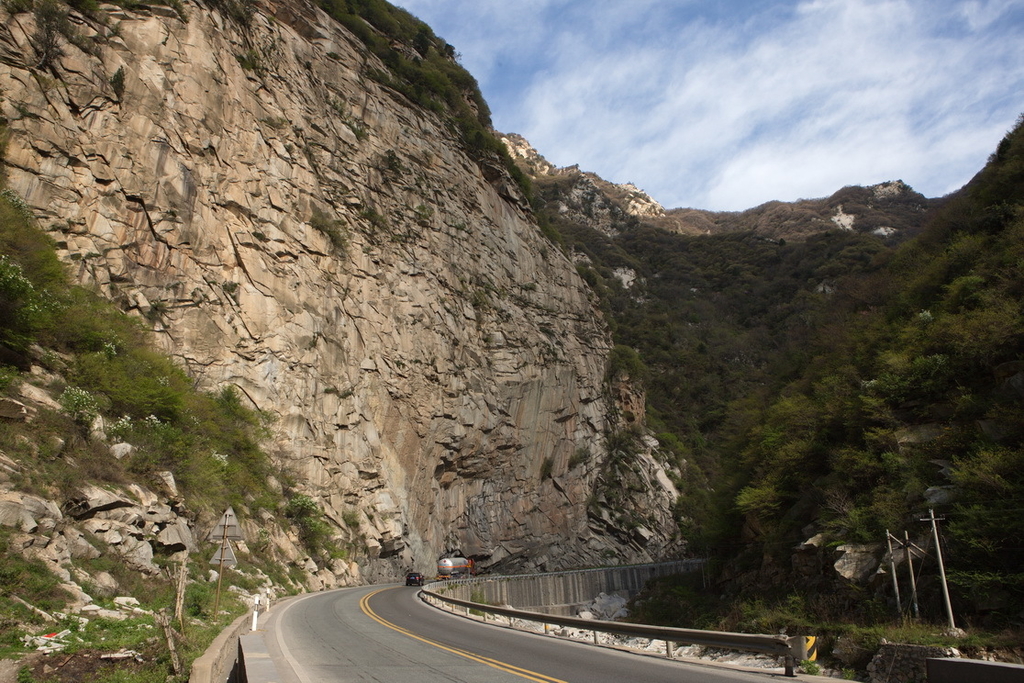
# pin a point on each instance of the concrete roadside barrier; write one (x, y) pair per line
(974, 670)
(215, 665)
(254, 662)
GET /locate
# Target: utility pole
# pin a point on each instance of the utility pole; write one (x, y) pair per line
(913, 581)
(892, 570)
(942, 570)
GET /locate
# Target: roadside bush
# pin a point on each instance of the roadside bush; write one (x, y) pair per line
(624, 360)
(138, 382)
(547, 467)
(332, 228)
(20, 309)
(199, 597)
(80, 405)
(314, 532)
(117, 82)
(51, 24)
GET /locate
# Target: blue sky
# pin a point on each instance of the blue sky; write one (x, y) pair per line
(726, 105)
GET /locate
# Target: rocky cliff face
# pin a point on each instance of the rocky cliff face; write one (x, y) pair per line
(293, 228)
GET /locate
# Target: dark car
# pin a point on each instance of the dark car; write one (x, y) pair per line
(414, 579)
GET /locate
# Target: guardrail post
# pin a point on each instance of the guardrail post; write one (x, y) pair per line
(669, 649)
(797, 653)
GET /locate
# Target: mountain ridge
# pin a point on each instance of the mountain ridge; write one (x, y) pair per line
(891, 209)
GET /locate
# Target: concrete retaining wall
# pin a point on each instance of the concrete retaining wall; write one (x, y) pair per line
(563, 592)
(973, 670)
(898, 663)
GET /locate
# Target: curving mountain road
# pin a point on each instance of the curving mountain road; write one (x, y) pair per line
(388, 635)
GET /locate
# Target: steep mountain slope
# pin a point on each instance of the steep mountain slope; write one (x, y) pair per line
(258, 185)
(912, 400)
(831, 369)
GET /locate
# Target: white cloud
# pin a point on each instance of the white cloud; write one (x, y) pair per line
(725, 107)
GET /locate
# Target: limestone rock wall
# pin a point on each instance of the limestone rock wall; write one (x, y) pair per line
(292, 228)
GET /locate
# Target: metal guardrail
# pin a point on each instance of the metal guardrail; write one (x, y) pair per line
(792, 649)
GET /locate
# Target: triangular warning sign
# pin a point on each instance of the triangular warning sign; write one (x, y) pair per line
(227, 528)
(224, 556)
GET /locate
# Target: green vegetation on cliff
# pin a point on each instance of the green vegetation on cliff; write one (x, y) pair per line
(105, 366)
(426, 72)
(913, 398)
(68, 343)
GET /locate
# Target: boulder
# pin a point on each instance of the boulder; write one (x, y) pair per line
(127, 516)
(167, 478)
(138, 554)
(56, 445)
(858, 562)
(96, 611)
(29, 513)
(14, 410)
(34, 394)
(78, 547)
(79, 597)
(105, 584)
(940, 495)
(160, 514)
(122, 450)
(88, 500)
(177, 536)
(918, 434)
(13, 514)
(8, 466)
(1016, 382)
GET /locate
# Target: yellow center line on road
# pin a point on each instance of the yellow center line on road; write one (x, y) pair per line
(364, 605)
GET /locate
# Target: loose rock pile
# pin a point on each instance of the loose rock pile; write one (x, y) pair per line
(605, 608)
(896, 663)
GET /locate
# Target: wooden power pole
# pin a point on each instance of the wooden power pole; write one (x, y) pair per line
(942, 570)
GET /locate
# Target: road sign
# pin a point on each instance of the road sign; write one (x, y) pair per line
(224, 556)
(227, 528)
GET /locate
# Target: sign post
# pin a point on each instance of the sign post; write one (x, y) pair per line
(226, 530)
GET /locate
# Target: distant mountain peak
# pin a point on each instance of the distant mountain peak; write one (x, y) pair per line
(890, 189)
(521, 150)
(627, 196)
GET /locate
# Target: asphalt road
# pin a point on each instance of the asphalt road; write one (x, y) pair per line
(387, 635)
